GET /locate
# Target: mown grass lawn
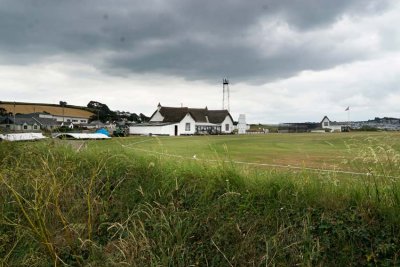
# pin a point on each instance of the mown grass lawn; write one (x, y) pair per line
(329, 150)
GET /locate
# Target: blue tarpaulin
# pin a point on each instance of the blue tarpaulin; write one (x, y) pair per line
(103, 131)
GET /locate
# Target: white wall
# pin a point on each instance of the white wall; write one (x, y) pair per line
(323, 123)
(229, 121)
(75, 120)
(156, 130)
(242, 126)
(157, 117)
(182, 125)
(165, 129)
(333, 128)
(46, 116)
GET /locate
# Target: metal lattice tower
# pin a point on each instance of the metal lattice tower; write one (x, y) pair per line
(225, 95)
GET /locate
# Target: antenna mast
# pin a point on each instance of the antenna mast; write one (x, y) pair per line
(225, 94)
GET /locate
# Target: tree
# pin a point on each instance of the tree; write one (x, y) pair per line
(134, 117)
(102, 112)
(3, 112)
(143, 118)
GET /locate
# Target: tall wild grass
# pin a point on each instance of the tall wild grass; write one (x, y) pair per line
(112, 207)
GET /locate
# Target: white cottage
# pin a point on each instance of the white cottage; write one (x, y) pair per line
(333, 126)
(185, 121)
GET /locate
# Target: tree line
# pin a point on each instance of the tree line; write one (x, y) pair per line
(103, 113)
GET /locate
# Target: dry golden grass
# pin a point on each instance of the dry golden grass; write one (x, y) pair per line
(52, 109)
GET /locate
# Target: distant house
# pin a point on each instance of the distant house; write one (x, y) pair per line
(20, 124)
(185, 121)
(334, 126)
(28, 123)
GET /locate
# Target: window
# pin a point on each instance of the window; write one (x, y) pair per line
(74, 120)
(226, 127)
(68, 120)
(25, 127)
(83, 120)
(35, 127)
(187, 127)
(326, 123)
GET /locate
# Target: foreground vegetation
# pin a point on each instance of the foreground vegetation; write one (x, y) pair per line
(100, 204)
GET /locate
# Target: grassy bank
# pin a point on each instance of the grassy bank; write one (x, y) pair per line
(101, 205)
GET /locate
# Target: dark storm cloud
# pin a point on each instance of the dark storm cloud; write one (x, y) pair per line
(191, 39)
(311, 14)
(195, 61)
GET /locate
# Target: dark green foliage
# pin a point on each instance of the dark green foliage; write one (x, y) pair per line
(4, 112)
(368, 128)
(102, 208)
(102, 112)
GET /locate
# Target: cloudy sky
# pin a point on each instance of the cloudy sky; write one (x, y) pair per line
(287, 60)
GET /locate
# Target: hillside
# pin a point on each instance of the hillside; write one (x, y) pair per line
(25, 108)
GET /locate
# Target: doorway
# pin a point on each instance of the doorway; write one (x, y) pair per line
(176, 130)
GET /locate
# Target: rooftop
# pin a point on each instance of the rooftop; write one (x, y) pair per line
(176, 114)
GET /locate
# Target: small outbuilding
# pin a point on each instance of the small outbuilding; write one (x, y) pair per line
(242, 126)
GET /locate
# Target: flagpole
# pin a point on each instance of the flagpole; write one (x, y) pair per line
(14, 115)
(348, 117)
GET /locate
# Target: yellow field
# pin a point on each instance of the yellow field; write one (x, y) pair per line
(25, 108)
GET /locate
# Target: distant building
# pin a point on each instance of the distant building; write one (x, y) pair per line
(93, 125)
(20, 124)
(185, 121)
(242, 126)
(28, 123)
(334, 126)
(111, 127)
(385, 124)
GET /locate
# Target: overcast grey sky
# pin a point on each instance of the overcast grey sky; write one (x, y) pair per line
(287, 60)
